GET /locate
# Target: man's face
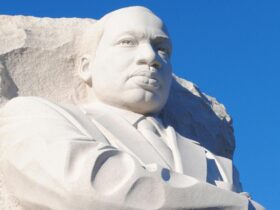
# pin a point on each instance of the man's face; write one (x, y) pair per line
(132, 68)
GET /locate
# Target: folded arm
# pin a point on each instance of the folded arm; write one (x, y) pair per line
(50, 162)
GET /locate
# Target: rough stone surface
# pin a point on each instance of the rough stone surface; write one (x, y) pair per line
(39, 57)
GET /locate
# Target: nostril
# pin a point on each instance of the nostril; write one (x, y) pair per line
(155, 65)
(142, 62)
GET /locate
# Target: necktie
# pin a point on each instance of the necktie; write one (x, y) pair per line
(153, 132)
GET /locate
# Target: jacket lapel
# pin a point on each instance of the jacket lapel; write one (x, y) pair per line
(126, 137)
(193, 158)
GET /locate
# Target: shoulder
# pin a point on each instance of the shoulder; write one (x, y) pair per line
(26, 106)
(37, 112)
(31, 107)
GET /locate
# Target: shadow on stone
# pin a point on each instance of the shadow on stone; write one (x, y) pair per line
(199, 117)
(8, 88)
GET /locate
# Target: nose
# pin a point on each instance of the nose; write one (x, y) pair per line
(148, 56)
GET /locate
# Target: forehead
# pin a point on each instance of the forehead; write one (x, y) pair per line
(134, 20)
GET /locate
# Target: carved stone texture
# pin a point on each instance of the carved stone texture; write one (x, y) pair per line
(200, 116)
(40, 57)
(121, 146)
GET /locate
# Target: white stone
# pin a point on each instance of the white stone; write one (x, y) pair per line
(119, 147)
(40, 57)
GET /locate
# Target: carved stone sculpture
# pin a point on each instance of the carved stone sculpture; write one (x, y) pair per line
(121, 147)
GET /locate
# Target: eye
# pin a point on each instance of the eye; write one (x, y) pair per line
(128, 42)
(164, 50)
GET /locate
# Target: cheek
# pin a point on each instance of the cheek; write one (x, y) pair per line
(118, 64)
(167, 73)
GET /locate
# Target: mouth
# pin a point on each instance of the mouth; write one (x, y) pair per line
(146, 79)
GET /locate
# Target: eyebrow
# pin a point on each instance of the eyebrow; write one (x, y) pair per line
(159, 37)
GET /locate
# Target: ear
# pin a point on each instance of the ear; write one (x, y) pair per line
(84, 69)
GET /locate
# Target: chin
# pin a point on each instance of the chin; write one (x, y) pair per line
(146, 104)
(143, 108)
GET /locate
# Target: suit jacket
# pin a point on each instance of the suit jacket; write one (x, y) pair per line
(57, 158)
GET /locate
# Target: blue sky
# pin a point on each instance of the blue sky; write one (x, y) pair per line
(231, 50)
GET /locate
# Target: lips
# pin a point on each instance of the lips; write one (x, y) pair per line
(146, 82)
(146, 79)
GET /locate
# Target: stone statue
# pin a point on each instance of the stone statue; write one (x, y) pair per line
(116, 151)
